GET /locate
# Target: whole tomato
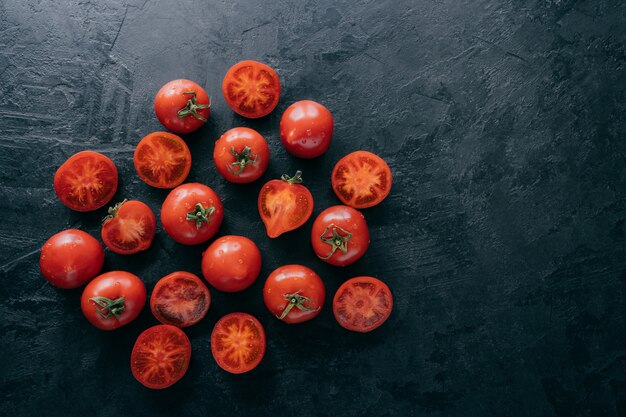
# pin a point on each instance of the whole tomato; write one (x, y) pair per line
(231, 263)
(182, 106)
(241, 155)
(340, 235)
(306, 129)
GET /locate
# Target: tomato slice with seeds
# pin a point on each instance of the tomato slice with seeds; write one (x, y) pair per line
(86, 181)
(238, 342)
(162, 160)
(362, 304)
(160, 356)
(251, 89)
(129, 228)
(180, 299)
(361, 179)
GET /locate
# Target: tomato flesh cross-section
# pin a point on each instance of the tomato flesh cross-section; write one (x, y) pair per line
(361, 179)
(180, 299)
(238, 342)
(251, 89)
(362, 304)
(162, 160)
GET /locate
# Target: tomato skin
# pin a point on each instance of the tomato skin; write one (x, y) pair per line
(361, 179)
(86, 181)
(183, 200)
(251, 89)
(160, 356)
(231, 263)
(362, 304)
(352, 235)
(251, 167)
(306, 129)
(71, 258)
(162, 160)
(238, 342)
(296, 281)
(113, 285)
(171, 99)
(129, 228)
(180, 299)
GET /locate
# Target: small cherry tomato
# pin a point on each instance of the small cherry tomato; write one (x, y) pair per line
(113, 299)
(362, 304)
(129, 227)
(340, 235)
(160, 356)
(284, 204)
(306, 129)
(162, 160)
(192, 213)
(180, 299)
(361, 179)
(231, 263)
(241, 155)
(251, 89)
(294, 293)
(71, 258)
(86, 181)
(238, 343)
(182, 106)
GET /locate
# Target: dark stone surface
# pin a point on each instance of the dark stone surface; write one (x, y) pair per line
(502, 240)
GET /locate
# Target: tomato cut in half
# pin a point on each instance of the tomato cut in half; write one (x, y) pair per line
(361, 179)
(251, 89)
(160, 356)
(129, 228)
(86, 181)
(362, 304)
(180, 299)
(238, 342)
(162, 160)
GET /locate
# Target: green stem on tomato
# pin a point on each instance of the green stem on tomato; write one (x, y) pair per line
(192, 107)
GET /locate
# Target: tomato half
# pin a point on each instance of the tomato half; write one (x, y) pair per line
(285, 204)
(251, 89)
(180, 299)
(113, 299)
(160, 356)
(306, 129)
(86, 181)
(182, 106)
(241, 155)
(362, 304)
(129, 227)
(71, 258)
(231, 263)
(340, 235)
(294, 293)
(238, 343)
(162, 160)
(361, 179)
(192, 213)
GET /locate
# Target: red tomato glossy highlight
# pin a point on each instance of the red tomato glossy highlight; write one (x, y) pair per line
(306, 129)
(231, 263)
(340, 235)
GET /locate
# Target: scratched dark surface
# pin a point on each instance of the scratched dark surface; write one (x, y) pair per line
(502, 240)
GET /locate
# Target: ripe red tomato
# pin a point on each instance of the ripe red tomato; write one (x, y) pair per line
(113, 299)
(160, 356)
(86, 181)
(180, 299)
(361, 179)
(192, 213)
(306, 129)
(241, 155)
(340, 235)
(182, 106)
(129, 227)
(162, 160)
(71, 258)
(294, 293)
(231, 263)
(362, 304)
(238, 343)
(285, 204)
(251, 89)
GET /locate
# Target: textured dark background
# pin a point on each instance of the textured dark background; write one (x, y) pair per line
(502, 240)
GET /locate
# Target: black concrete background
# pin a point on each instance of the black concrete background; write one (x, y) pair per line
(502, 240)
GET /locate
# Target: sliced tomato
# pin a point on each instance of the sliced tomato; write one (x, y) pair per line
(162, 160)
(238, 342)
(362, 304)
(361, 179)
(129, 227)
(86, 181)
(180, 299)
(160, 356)
(251, 89)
